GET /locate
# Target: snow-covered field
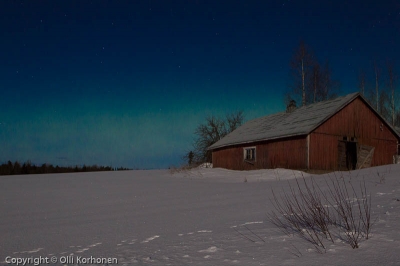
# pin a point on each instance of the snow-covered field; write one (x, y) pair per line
(200, 217)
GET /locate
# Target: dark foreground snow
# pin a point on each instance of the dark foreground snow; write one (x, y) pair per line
(202, 217)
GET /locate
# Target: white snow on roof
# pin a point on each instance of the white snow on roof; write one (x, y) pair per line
(299, 122)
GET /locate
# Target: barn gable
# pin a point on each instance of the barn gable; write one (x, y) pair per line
(355, 127)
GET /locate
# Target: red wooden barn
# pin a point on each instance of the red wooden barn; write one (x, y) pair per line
(340, 134)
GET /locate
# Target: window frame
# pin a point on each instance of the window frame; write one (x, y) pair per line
(245, 153)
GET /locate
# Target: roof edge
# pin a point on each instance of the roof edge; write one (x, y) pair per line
(393, 128)
(258, 140)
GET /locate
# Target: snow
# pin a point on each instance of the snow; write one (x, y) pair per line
(203, 216)
(205, 165)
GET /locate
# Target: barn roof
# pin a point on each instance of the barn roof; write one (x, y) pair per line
(301, 121)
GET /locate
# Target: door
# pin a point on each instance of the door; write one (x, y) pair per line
(347, 155)
(351, 155)
(364, 156)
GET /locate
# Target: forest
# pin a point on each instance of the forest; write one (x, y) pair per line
(28, 168)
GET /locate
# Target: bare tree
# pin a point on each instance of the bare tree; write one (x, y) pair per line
(392, 82)
(368, 86)
(329, 86)
(210, 132)
(362, 82)
(311, 81)
(233, 121)
(377, 73)
(315, 80)
(383, 98)
(301, 65)
(384, 104)
(322, 85)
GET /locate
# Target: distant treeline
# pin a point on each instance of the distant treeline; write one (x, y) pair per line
(28, 168)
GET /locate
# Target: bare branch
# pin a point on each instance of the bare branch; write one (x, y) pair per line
(315, 216)
(210, 132)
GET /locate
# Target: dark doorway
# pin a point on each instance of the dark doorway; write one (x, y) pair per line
(351, 155)
(347, 155)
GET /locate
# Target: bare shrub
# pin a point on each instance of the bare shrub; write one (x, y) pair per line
(318, 216)
(348, 210)
(366, 205)
(300, 211)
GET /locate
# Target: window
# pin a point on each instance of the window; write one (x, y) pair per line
(249, 154)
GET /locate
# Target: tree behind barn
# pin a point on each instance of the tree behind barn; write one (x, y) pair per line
(316, 80)
(330, 87)
(392, 83)
(310, 81)
(301, 67)
(380, 90)
(209, 132)
(362, 82)
(377, 73)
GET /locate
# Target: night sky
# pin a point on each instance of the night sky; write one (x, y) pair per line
(125, 83)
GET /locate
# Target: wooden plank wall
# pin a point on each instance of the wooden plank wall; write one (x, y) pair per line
(286, 153)
(355, 120)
